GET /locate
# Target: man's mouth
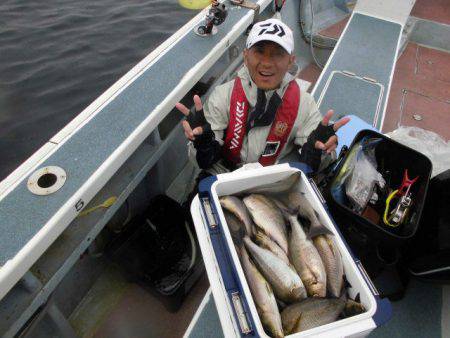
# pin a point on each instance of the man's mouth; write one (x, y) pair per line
(265, 74)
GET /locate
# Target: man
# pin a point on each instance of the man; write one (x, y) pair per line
(261, 116)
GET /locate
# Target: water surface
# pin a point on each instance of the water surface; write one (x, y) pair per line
(57, 56)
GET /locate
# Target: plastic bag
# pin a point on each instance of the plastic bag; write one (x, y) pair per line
(428, 143)
(358, 175)
(363, 176)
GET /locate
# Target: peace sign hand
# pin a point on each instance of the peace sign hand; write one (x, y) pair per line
(195, 123)
(326, 139)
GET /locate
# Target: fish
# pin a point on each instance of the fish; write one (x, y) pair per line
(236, 227)
(310, 313)
(332, 260)
(276, 187)
(306, 259)
(265, 242)
(298, 203)
(268, 218)
(353, 308)
(263, 296)
(237, 207)
(285, 282)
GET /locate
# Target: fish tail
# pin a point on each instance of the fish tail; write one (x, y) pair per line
(317, 228)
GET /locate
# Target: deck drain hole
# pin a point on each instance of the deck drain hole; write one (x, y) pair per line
(46, 180)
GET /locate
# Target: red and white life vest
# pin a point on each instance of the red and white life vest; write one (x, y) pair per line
(279, 132)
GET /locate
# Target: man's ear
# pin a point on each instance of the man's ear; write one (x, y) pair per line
(291, 60)
(245, 53)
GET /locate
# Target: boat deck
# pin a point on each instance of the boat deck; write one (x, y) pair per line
(432, 10)
(139, 314)
(421, 86)
(334, 31)
(421, 90)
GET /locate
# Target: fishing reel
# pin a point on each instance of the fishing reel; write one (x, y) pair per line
(216, 16)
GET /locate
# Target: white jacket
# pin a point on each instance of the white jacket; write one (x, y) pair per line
(217, 113)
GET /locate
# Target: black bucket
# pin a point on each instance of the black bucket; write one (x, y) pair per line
(428, 254)
(394, 158)
(380, 247)
(160, 252)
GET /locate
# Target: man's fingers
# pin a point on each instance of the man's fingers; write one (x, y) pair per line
(326, 119)
(341, 123)
(331, 141)
(332, 148)
(188, 130)
(182, 108)
(319, 145)
(197, 131)
(198, 103)
(329, 146)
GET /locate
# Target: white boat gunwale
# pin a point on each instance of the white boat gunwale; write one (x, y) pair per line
(15, 268)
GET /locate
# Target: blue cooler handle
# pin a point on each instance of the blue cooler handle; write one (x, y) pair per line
(383, 312)
(232, 284)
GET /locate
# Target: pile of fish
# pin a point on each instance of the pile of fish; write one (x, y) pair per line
(288, 268)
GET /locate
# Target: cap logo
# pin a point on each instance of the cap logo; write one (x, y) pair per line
(276, 29)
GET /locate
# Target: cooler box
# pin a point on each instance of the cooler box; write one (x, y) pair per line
(235, 305)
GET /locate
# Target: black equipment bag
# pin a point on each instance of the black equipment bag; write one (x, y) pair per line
(429, 253)
(378, 246)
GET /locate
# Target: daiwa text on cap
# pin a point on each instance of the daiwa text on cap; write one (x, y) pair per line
(271, 30)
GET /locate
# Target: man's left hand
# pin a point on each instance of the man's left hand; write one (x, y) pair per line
(329, 144)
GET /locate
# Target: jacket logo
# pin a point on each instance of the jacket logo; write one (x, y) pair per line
(238, 126)
(280, 128)
(275, 29)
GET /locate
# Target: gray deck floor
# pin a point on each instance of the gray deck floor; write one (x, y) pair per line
(422, 313)
(115, 308)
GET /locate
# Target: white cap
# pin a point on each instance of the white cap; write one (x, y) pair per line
(271, 30)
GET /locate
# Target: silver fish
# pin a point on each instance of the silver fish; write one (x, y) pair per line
(268, 218)
(285, 282)
(332, 260)
(265, 242)
(352, 308)
(298, 203)
(262, 293)
(237, 207)
(310, 313)
(236, 227)
(303, 254)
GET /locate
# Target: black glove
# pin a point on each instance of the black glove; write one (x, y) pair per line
(208, 148)
(321, 133)
(197, 119)
(309, 154)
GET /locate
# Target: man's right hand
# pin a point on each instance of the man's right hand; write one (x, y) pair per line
(198, 130)
(193, 124)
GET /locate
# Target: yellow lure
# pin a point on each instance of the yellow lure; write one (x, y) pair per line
(386, 211)
(106, 204)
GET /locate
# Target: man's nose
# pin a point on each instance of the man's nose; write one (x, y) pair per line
(266, 58)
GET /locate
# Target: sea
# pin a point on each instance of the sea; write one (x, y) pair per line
(57, 56)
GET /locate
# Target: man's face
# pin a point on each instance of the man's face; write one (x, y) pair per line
(267, 63)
